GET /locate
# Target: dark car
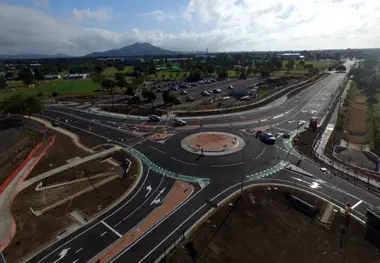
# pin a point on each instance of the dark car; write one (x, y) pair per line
(286, 136)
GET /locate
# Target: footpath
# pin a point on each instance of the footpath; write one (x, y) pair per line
(12, 186)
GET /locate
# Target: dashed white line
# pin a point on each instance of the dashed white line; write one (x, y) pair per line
(154, 148)
(258, 156)
(78, 250)
(195, 164)
(357, 204)
(110, 228)
(102, 234)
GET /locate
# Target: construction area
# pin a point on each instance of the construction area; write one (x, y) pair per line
(78, 177)
(262, 227)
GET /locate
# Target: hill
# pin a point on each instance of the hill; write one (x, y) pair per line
(31, 56)
(136, 49)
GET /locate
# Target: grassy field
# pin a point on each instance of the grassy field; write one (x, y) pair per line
(64, 87)
(111, 70)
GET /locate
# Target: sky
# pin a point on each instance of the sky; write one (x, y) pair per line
(78, 27)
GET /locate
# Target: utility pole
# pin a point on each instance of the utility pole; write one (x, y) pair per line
(242, 174)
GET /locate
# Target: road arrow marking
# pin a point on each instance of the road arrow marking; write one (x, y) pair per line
(38, 186)
(62, 254)
(158, 200)
(148, 188)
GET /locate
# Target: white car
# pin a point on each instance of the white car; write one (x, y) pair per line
(179, 122)
(205, 93)
(231, 87)
(183, 92)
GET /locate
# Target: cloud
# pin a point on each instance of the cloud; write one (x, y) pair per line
(100, 14)
(158, 15)
(42, 3)
(220, 25)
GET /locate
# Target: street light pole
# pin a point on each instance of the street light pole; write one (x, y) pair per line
(242, 173)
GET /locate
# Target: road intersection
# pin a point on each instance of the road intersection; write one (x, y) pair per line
(213, 178)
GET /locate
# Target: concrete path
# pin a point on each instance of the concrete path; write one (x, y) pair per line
(42, 176)
(6, 198)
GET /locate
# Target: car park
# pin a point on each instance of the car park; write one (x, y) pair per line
(179, 122)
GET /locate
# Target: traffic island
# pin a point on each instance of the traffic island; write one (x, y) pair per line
(213, 143)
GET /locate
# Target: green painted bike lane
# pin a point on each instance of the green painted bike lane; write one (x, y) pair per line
(199, 180)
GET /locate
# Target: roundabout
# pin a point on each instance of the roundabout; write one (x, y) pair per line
(213, 143)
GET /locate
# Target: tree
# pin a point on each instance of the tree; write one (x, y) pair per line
(109, 85)
(3, 82)
(257, 64)
(119, 66)
(237, 71)
(289, 65)
(98, 78)
(243, 75)
(120, 80)
(167, 97)
(26, 75)
(149, 95)
(20, 104)
(222, 73)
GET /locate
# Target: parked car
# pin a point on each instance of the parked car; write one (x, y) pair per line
(231, 87)
(286, 135)
(183, 92)
(205, 93)
(217, 90)
(189, 98)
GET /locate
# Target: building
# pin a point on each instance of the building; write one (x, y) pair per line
(292, 56)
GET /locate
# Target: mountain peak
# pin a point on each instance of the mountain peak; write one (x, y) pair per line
(136, 49)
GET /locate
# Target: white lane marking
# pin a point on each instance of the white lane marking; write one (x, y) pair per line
(154, 148)
(136, 209)
(278, 116)
(226, 165)
(357, 204)
(76, 261)
(110, 228)
(62, 254)
(78, 250)
(263, 120)
(158, 200)
(184, 161)
(159, 223)
(117, 210)
(102, 234)
(148, 188)
(258, 156)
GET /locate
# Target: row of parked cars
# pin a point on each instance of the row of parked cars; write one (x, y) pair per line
(207, 93)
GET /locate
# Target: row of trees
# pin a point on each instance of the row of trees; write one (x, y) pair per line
(20, 104)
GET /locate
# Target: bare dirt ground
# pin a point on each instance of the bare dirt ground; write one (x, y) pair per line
(44, 228)
(15, 145)
(357, 110)
(267, 231)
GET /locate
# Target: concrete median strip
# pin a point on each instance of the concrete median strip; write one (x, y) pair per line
(180, 192)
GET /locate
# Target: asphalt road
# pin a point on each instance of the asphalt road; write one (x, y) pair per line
(227, 174)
